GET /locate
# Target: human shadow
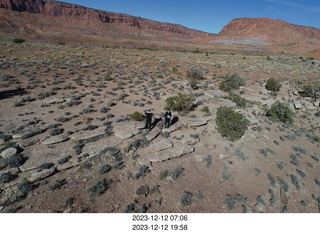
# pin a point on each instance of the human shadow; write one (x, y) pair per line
(174, 120)
(155, 123)
(11, 93)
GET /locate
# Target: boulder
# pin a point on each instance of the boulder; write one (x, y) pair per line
(55, 139)
(297, 105)
(8, 152)
(1, 142)
(41, 175)
(316, 104)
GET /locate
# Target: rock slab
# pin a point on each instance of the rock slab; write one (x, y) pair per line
(55, 139)
(8, 152)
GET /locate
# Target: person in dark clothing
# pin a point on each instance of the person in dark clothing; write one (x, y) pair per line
(148, 117)
(167, 117)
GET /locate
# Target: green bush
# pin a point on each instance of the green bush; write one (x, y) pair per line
(230, 82)
(136, 116)
(310, 91)
(194, 73)
(193, 82)
(240, 101)
(17, 40)
(181, 103)
(231, 124)
(282, 112)
(205, 109)
(273, 85)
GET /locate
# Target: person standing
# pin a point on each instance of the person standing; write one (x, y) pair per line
(148, 119)
(167, 117)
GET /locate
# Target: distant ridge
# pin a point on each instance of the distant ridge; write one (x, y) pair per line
(54, 16)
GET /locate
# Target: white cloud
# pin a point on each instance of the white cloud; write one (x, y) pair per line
(296, 5)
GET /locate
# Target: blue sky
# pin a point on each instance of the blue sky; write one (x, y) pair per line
(211, 16)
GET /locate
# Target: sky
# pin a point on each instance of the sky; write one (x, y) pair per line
(212, 16)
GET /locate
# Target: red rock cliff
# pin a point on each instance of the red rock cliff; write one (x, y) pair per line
(46, 15)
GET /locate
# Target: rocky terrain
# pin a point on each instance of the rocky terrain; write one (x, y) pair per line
(68, 144)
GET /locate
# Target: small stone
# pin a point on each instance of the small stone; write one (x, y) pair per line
(8, 152)
(297, 105)
(222, 156)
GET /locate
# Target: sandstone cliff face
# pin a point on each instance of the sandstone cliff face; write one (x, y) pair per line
(272, 29)
(46, 15)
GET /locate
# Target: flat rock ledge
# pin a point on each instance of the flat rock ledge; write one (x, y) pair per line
(171, 153)
(87, 135)
(198, 122)
(162, 145)
(55, 139)
(127, 130)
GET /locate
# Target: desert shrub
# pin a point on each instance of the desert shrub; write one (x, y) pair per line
(177, 173)
(261, 200)
(104, 109)
(231, 124)
(199, 195)
(186, 198)
(295, 159)
(104, 169)
(208, 160)
(25, 187)
(295, 181)
(181, 103)
(284, 184)
(7, 177)
(272, 179)
(241, 155)
(64, 159)
(56, 131)
(99, 188)
(32, 133)
(230, 201)
(136, 116)
(310, 91)
(18, 40)
(141, 172)
(240, 101)
(281, 112)
(273, 85)
(301, 173)
(300, 149)
(205, 109)
(194, 73)
(273, 198)
(45, 166)
(230, 82)
(58, 184)
(16, 161)
(68, 202)
(193, 82)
